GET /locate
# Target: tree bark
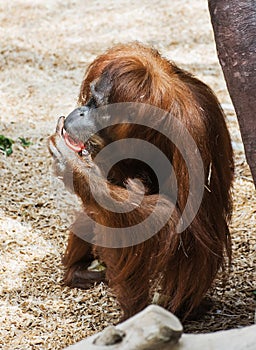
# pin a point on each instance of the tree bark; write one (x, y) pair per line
(155, 328)
(234, 26)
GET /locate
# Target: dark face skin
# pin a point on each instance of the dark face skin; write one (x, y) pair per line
(79, 131)
(80, 126)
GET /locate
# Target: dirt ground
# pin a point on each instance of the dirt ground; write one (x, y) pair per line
(44, 49)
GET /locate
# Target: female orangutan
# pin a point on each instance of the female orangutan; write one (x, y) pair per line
(132, 94)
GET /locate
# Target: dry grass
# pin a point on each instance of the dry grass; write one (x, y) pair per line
(45, 48)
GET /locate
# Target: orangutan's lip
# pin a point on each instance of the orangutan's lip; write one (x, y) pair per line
(72, 144)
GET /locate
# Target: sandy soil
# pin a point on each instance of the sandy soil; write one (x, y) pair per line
(45, 47)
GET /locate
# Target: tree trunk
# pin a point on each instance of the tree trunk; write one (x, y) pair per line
(234, 25)
(157, 329)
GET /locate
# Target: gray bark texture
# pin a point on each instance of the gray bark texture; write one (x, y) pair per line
(234, 26)
(155, 328)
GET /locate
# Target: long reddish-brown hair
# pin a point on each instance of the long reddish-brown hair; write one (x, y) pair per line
(181, 266)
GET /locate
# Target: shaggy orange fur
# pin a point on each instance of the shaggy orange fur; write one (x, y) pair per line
(182, 266)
